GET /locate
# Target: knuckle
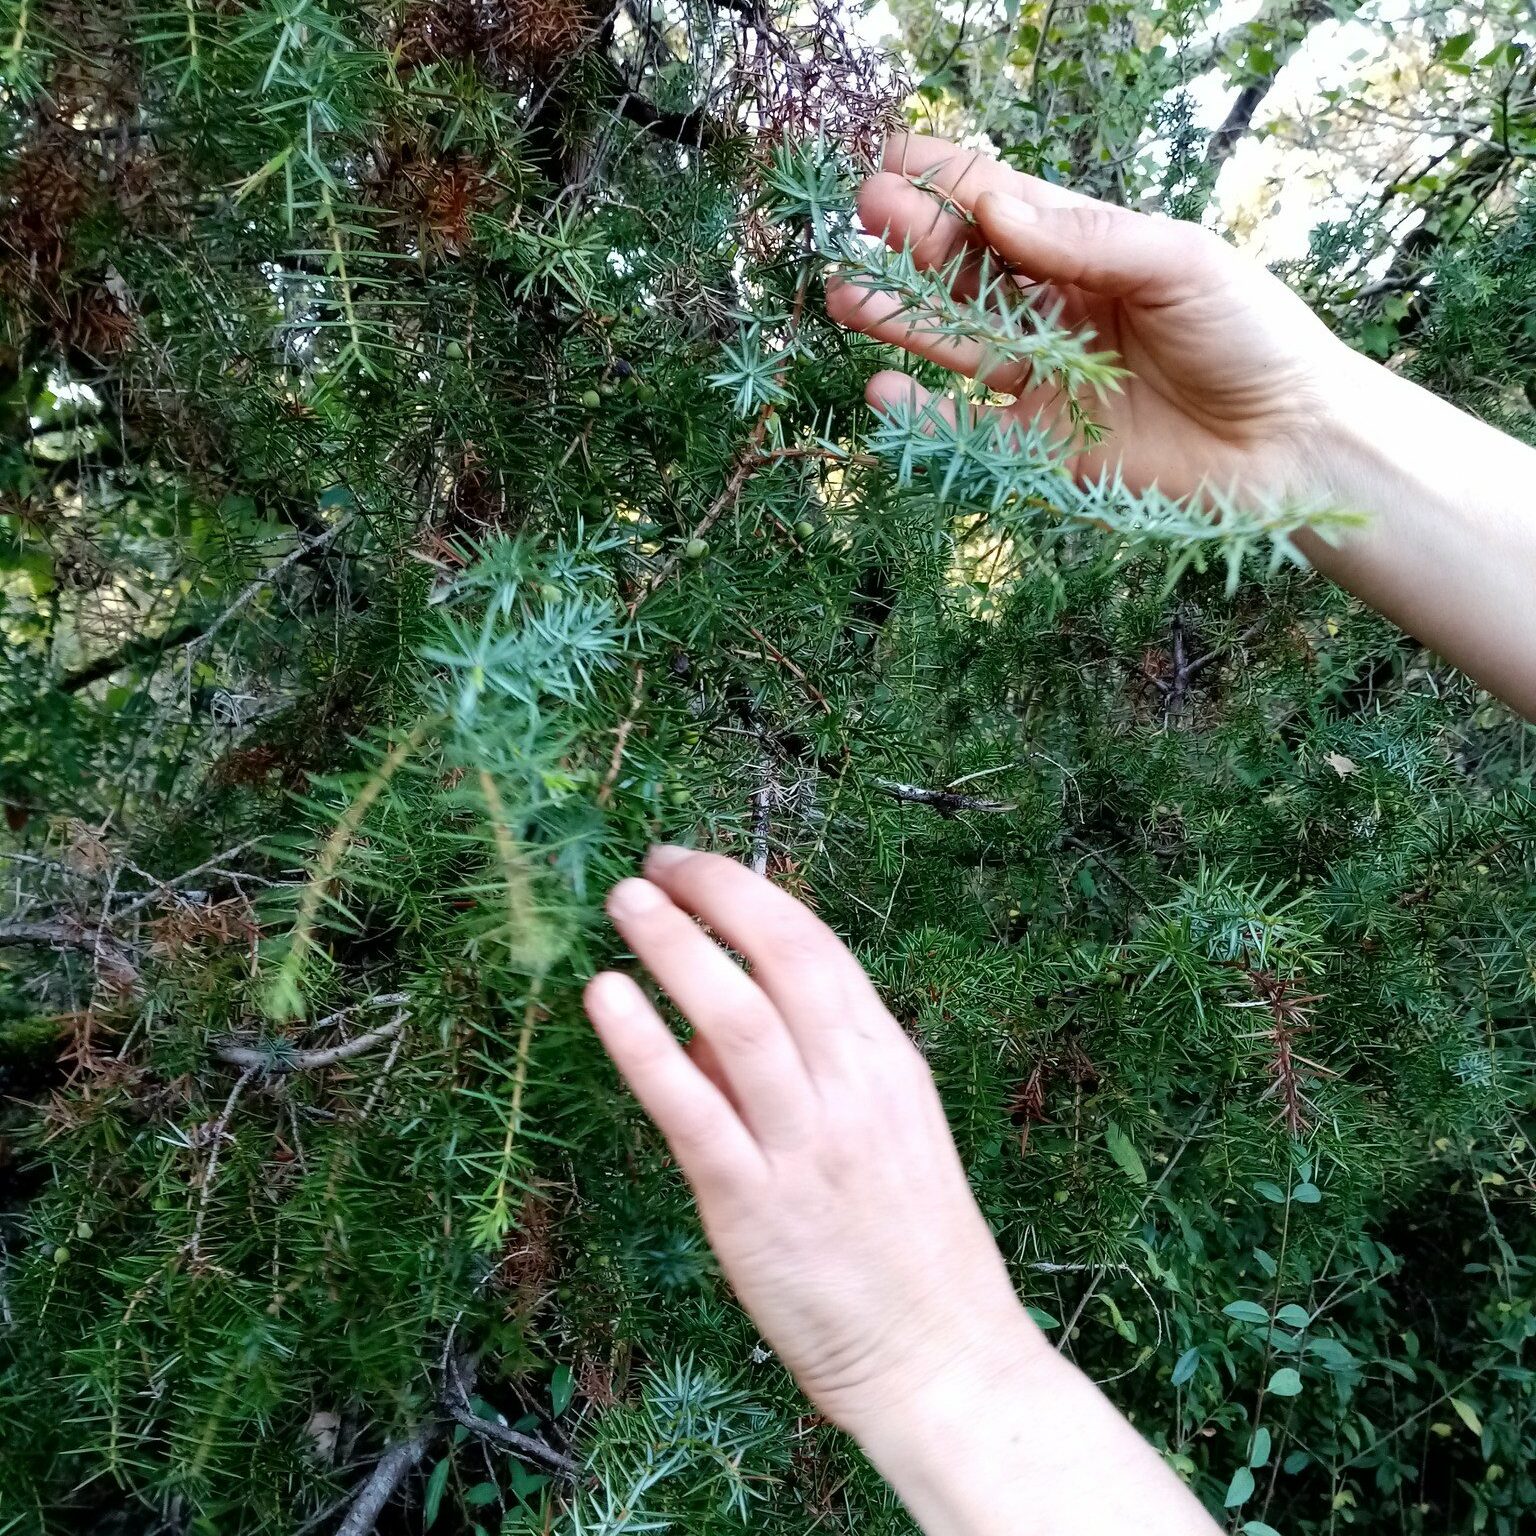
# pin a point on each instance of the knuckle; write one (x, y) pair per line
(794, 939)
(939, 245)
(1097, 224)
(1195, 242)
(748, 1026)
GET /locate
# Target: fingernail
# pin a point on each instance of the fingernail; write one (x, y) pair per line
(665, 856)
(608, 995)
(1005, 212)
(633, 897)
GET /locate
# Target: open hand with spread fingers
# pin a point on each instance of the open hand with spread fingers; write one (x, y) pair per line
(812, 1135)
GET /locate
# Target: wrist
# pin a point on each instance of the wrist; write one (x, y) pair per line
(1014, 1440)
(954, 1376)
(1447, 542)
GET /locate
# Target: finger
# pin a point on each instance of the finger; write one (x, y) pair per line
(891, 390)
(1103, 249)
(1045, 409)
(965, 175)
(891, 318)
(708, 1139)
(926, 193)
(818, 988)
(911, 218)
(754, 1047)
(702, 1054)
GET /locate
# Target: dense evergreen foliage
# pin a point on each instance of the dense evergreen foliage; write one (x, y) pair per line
(427, 477)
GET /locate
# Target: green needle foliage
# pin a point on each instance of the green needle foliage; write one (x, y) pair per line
(427, 477)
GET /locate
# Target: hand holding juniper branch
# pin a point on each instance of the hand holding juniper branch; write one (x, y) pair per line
(1226, 388)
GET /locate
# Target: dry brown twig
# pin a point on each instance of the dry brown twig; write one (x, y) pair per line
(216, 1134)
(621, 738)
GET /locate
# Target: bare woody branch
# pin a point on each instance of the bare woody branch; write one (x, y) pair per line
(277, 1058)
(388, 1473)
(518, 1443)
(945, 801)
(59, 933)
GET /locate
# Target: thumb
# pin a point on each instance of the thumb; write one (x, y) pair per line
(1099, 248)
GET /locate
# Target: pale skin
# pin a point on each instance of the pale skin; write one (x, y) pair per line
(802, 1116)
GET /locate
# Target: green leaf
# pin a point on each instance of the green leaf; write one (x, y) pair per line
(1240, 1489)
(1185, 1367)
(1297, 1461)
(1453, 47)
(1122, 1324)
(525, 1483)
(562, 1387)
(1124, 1153)
(1293, 1316)
(434, 1499)
(1306, 1194)
(1258, 1452)
(1246, 1312)
(1270, 1191)
(1468, 1415)
(1043, 1319)
(482, 1494)
(1335, 1357)
(1258, 1528)
(1286, 1382)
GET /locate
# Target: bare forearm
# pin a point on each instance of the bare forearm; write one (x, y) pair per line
(1030, 1448)
(1449, 549)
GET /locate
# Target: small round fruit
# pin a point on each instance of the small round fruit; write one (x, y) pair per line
(591, 399)
(83, 1230)
(696, 549)
(679, 796)
(804, 529)
(607, 387)
(550, 593)
(454, 349)
(644, 391)
(61, 1254)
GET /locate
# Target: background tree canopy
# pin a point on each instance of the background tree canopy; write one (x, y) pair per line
(427, 476)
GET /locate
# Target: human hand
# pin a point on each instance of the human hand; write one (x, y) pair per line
(810, 1130)
(1230, 377)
